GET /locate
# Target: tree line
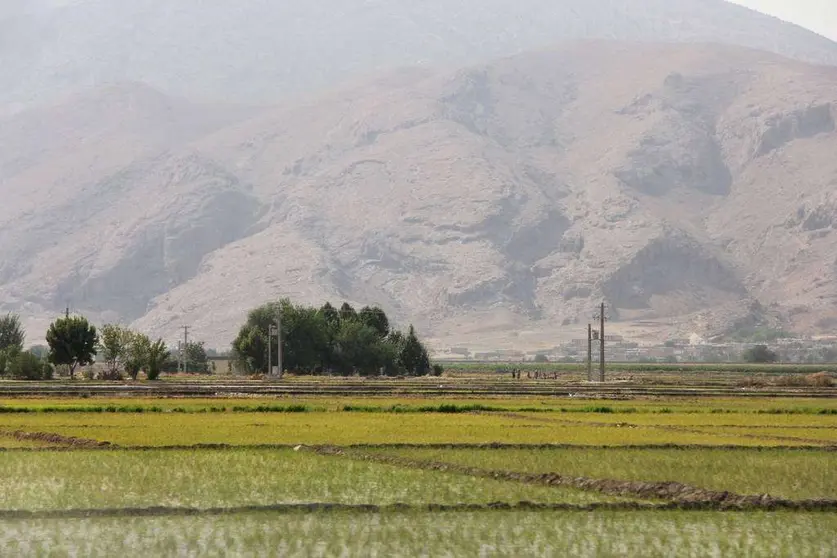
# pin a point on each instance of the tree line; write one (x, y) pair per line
(321, 340)
(73, 342)
(326, 340)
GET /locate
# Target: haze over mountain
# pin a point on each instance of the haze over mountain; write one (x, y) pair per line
(690, 185)
(260, 50)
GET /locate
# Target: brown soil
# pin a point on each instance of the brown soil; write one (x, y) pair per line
(57, 439)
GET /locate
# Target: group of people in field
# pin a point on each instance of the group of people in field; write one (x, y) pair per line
(517, 374)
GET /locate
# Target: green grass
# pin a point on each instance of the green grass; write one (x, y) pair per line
(792, 474)
(647, 534)
(174, 429)
(757, 405)
(224, 478)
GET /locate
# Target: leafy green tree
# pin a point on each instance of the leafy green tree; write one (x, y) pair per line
(414, 356)
(135, 357)
(155, 358)
(113, 345)
(375, 318)
(327, 339)
(760, 354)
(196, 358)
(305, 339)
(330, 314)
(12, 335)
(27, 366)
(347, 313)
(72, 342)
(250, 348)
(359, 349)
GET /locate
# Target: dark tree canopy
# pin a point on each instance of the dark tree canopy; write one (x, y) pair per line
(28, 366)
(329, 340)
(72, 342)
(347, 312)
(376, 319)
(196, 359)
(760, 354)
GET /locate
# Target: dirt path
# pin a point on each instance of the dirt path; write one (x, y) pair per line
(56, 440)
(675, 493)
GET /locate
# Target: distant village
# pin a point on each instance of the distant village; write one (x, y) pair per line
(693, 349)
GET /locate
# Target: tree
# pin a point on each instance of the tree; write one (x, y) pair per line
(359, 348)
(327, 339)
(72, 342)
(541, 359)
(137, 349)
(347, 313)
(375, 318)
(414, 357)
(11, 333)
(113, 346)
(196, 358)
(250, 348)
(155, 359)
(330, 314)
(27, 366)
(760, 354)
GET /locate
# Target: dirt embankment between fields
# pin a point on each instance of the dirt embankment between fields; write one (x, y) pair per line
(677, 494)
(52, 439)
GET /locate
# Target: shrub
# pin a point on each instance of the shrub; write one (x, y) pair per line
(760, 354)
(26, 366)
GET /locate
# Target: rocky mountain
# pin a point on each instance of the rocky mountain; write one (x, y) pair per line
(261, 50)
(690, 186)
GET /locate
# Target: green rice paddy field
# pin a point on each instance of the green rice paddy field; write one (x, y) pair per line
(412, 476)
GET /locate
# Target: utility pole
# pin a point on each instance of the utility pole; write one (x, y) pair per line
(185, 348)
(589, 353)
(279, 342)
(601, 317)
(269, 350)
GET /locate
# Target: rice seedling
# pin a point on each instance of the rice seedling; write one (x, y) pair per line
(497, 533)
(791, 474)
(178, 429)
(224, 478)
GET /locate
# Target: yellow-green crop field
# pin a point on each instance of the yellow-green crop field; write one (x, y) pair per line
(407, 475)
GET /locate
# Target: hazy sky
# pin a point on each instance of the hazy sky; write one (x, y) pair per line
(817, 15)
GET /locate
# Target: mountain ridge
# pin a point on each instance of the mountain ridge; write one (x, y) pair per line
(494, 205)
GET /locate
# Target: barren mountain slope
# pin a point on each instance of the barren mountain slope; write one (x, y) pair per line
(259, 50)
(514, 196)
(72, 205)
(689, 186)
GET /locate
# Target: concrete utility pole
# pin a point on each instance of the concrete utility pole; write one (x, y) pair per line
(274, 329)
(589, 353)
(185, 345)
(279, 343)
(271, 329)
(601, 317)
